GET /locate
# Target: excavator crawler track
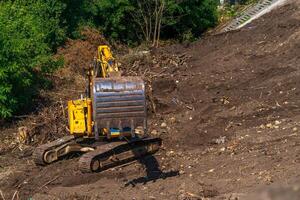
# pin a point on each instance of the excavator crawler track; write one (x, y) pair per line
(117, 153)
(38, 154)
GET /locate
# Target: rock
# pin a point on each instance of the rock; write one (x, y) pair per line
(262, 126)
(163, 125)
(232, 108)
(277, 122)
(220, 140)
(222, 149)
(144, 188)
(277, 104)
(211, 170)
(225, 100)
(190, 107)
(295, 129)
(269, 125)
(154, 132)
(172, 120)
(139, 131)
(23, 135)
(170, 153)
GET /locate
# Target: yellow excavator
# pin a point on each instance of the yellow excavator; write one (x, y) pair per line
(108, 125)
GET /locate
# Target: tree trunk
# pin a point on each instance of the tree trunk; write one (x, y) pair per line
(161, 10)
(155, 23)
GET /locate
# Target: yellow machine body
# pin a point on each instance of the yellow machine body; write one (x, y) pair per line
(81, 122)
(80, 111)
(122, 98)
(80, 117)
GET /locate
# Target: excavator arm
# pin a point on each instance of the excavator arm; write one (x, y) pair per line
(106, 65)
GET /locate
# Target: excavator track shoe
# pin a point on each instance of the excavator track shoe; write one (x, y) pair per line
(46, 154)
(118, 153)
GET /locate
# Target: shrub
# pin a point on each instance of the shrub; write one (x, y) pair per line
(25, 47)
(128, 20)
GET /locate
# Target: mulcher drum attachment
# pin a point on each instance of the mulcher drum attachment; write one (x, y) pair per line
(118, 102)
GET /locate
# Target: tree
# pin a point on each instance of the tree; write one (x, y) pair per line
(149, 20)
(113, 18)
(148, 17)
(25, 54)
(196, 16)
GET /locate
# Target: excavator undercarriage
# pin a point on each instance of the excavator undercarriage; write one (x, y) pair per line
(109, 125)
(98, 156)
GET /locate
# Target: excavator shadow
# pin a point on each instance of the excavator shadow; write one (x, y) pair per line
(153, 172)
(71, 156)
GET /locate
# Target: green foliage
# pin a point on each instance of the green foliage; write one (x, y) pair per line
(229, 11)
(189, 18)
(25, 48)
(50, 13)
(113, 17)
(32, 30)
(117, 18)
(248, 2)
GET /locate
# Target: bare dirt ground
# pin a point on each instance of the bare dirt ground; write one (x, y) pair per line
(227, 108)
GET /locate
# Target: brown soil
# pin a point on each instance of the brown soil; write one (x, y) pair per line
(227, 108)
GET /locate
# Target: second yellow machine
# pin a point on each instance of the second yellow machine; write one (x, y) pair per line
(109, 125)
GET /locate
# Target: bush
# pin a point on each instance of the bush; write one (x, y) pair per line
(25, 49)
(127, 20)
(191, 17)
(113, 17)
